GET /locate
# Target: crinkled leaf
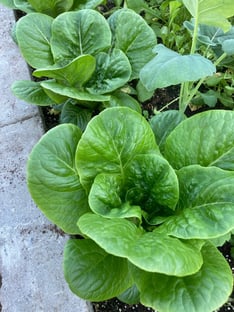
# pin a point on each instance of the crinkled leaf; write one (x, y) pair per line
(105, 198)
(33, 33)
(136, 42)
(93, 274)
(203, 291)
(75, 73)
(125, 135)
(211, 12)
(52, 178)
(206, 139)
(76, 33)
(163, 123)
(148, 251)
(74, 93)
(51, 7)
(72, 113)
(206, 206)
(151, 183)
(112, 71)
(171, 68)
(31, 92)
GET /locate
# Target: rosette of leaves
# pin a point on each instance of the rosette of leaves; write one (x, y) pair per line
(84, 60)
(50, 7)
(150, 206)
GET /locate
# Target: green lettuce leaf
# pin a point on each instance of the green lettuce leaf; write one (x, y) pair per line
(52, 178)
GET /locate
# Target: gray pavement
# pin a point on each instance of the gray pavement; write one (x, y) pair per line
(31, 277)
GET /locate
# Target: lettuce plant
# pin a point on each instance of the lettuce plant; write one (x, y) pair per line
(84, 59)
(212, 46)
(148, 214)
(50, 7)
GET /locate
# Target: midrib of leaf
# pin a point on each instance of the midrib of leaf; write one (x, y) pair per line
(44, 37)
(217, 159)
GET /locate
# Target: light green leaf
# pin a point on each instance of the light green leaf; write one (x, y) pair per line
(23, 5)
(91, 273)
(85, 4)
(33, 33)
(125, 135)
(211, 12)
(52, 179)
(206, 206)
(76, 33)
(136, 42)
(105, 198)
(115, 236)
(75, 73)
(72, 113)
(163, 123)
(9, 3)
(31, 92)
(113, 70)
(152, 251)
(51, 7)
(171, 68)
(74, 93)
(206, 139)
(203, 291)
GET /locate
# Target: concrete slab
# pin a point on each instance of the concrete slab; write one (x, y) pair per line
(12, 67)
(31, 249)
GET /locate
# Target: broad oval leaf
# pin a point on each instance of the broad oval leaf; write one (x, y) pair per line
(31, 92)
(76, 33)
(74, 93)
(205, 291)
(153, 252)
(206, 206)
(91, 273)
(158, 252)
(112, 71)
(75, 73)
(206, 139)
(171, 68)
(120, 98)
(125, 135)
(211, 12)
(115, 235)
(51, 172)
(136, 42)
(33, 33)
